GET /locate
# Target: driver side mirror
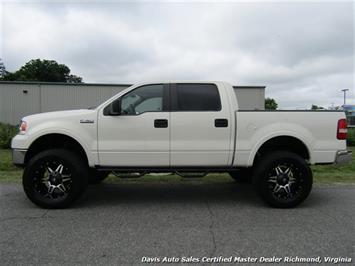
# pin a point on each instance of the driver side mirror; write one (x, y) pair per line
(113, 109)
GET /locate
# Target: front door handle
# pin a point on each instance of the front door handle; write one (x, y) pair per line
(161, 123)
(222, 122)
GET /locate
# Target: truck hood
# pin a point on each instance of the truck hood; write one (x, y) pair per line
(59, 114)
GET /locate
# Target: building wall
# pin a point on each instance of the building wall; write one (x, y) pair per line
(14, 103)
(65, 97)
(18, 99)
(350, 114)
(250, 98)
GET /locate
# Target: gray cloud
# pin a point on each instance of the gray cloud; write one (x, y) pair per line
(303, 53)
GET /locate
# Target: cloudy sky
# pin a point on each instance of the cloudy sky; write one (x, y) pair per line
(303, 52)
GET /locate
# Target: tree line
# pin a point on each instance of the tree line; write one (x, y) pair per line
(40, 70)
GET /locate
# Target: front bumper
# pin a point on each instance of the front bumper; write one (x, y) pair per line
(18, 157)
(343, 157)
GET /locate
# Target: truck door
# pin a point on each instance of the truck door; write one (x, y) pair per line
(200, 125)
(139, 135)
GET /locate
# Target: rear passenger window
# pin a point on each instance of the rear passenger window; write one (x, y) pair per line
(197, 97)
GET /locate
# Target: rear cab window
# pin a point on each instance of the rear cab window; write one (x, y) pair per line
(196, 97)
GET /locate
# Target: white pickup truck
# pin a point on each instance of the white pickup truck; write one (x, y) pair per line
(180, 127)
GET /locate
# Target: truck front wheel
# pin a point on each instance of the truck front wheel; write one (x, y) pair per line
(283, 179)
(55, 178)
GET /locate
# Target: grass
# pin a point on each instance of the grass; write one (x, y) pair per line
(321, 173)
(351, 137)
(335, 173)
(8, 172)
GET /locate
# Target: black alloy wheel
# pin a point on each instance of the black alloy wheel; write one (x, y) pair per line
(55, 178)
(283, 179)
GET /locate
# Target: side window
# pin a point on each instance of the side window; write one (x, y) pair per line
(198, 97)
(147, 98)
(153, 104)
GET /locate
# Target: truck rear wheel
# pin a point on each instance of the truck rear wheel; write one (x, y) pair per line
(55, 178)
(283, 179)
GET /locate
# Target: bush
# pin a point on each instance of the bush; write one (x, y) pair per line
(351, 137)
(7, 132)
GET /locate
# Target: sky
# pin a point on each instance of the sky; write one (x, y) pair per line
(302, 52)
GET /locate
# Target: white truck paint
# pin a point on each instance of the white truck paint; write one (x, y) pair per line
(317, 130)
(171, 137)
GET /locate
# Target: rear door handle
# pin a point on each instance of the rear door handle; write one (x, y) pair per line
(161, 123)
(221, 122)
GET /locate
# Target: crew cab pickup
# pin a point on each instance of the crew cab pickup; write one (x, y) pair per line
(188, 128)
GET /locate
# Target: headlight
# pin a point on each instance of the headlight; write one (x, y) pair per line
(23, 127)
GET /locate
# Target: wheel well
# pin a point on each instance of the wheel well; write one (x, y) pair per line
(284, 143)
(55, 141)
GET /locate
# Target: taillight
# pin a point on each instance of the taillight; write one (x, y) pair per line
(342, 129)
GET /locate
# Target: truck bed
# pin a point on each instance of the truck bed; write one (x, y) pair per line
(255, 127)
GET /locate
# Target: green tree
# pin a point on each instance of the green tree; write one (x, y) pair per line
(316, 107)
(43, 70)
(74, 79)
(270, 104)
(2, 69)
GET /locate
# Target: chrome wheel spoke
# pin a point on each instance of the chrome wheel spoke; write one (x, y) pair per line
(53, 182)
(277, 188)
(59, 169)
(292, 180)
(278, 170)
(288, 171)
(62, 188)
(46, 183)
(66, 176)
(287, 188)
(284, 181)
(51, 189)
(50, 170)
(272, 179)
(66, 179)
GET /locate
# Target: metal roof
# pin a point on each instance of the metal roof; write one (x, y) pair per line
(249, 87)
(98, 84)
(61, 83)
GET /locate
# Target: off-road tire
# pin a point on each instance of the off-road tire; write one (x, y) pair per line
(265, 173)
(35, 170)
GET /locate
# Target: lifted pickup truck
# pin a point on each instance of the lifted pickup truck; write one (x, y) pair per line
(181, 127)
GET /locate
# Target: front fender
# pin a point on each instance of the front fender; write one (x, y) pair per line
(84, 134)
